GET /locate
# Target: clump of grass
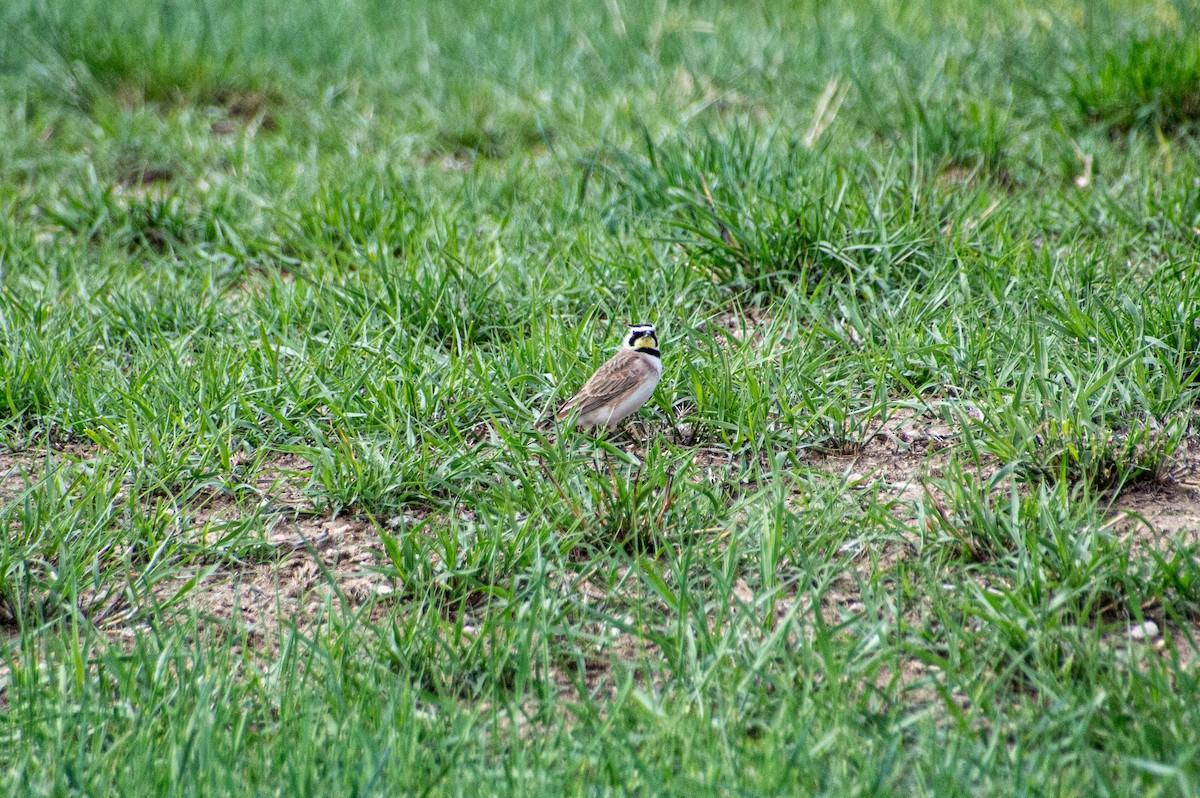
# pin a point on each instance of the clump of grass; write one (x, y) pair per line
(1051, 570)
(760, 217)
(403, 267)
(990, 518)
(1150, 83)
(157, 221)
(612, 499)
(488, 136)
(627, 512)
(442, 660)
(971, 134)
(63, 530)
(366, 222)
(1085, 413)
(741, 210)
(1047, 435)
(373, 474)
(94, 59)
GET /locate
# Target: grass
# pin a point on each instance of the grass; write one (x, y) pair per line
(285, 310)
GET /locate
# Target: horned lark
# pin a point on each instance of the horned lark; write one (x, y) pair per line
(620, 386)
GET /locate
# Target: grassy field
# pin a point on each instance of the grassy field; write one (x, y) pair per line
(289, 291)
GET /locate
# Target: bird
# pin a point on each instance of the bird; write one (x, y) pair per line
(622, 385)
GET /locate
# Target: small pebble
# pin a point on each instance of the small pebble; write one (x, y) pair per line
(1143, 631)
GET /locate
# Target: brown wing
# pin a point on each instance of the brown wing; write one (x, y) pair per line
(611, 381)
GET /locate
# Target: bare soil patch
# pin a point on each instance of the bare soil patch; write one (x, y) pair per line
(324, 564)
(311, 563)
(1168, 510)
(18, 470)
(744, 326)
